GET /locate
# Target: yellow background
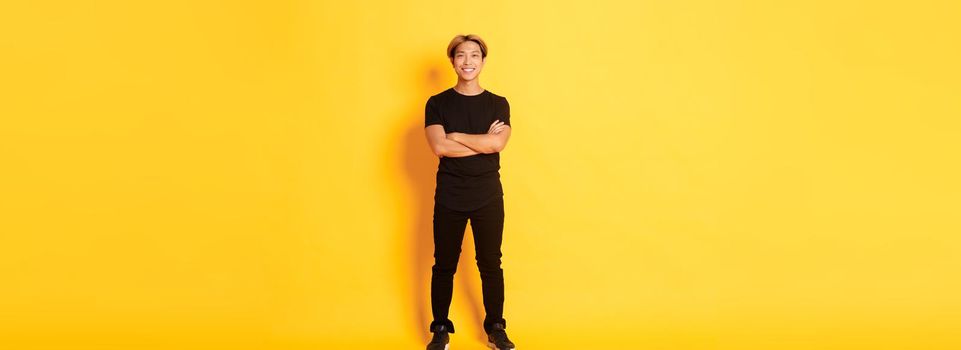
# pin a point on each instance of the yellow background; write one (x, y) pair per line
(681, 175)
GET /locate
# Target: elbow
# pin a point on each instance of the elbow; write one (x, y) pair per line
(497, 147)
(438, 151)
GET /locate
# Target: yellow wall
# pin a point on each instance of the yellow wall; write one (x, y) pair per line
(681, 175)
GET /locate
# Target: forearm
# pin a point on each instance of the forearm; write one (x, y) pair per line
(454, 149)
(482, 143)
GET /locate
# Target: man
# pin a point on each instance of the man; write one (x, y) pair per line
(467, 127)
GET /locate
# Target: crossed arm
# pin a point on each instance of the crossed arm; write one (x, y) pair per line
(458, 144)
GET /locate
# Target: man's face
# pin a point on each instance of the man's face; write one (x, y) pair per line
(467, 60)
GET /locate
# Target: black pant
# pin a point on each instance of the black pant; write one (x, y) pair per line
(487, 223)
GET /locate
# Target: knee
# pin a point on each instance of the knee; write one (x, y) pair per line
(489, 265)
(444, 269)
(446, 260)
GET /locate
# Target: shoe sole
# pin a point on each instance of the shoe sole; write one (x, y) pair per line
(492, 346)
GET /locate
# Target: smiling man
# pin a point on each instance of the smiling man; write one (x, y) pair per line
(467, 127)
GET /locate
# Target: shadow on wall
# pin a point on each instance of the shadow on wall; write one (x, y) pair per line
(420, 166)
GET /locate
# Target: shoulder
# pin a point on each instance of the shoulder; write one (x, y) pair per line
(440, 95)
(440, 99)
(495, 96)
(435, 100)
(501, 100)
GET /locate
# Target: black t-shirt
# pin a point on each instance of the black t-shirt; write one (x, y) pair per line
(467, 183)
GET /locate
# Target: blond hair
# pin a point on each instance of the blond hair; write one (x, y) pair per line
(460, 39)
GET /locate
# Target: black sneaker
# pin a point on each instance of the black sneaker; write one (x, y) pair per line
(441, 340)
(497, 338)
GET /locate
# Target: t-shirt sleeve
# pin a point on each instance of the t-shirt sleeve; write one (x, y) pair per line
(431, 116)
(504, 112)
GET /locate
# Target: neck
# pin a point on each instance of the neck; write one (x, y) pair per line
(468, 87)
